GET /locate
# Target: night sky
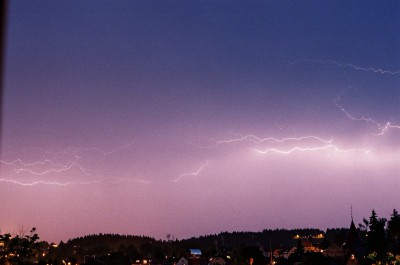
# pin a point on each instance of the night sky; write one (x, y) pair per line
(196, 117)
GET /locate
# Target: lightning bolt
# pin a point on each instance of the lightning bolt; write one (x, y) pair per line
(50, 167)
(291, 144)
(388, 126)
(45, 182)
(68, 167)
(301, 149)
(357, 68)
(257, 140)
(192, 174)
(381, 129)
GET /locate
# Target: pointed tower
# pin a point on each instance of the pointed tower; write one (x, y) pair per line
(354, 246)
(353, 239)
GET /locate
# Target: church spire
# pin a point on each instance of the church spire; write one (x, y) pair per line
(351, 212)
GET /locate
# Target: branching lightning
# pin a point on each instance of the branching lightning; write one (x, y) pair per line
(388, 126)
(33, 172)
(382, 129)
(44, 172)
(288, 145)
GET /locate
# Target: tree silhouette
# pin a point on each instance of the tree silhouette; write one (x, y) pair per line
(19, 249)
(393, 230)
(376, 237)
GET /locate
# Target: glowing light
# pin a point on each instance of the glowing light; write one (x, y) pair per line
(319, 236)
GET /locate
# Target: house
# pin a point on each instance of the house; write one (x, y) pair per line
(183, 261)
(334, 251)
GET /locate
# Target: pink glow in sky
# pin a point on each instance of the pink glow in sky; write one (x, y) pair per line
(190, 118)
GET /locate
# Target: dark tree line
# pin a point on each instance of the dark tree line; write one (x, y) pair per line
(381, 237)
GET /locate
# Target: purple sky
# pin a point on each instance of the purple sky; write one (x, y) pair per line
(196, 117)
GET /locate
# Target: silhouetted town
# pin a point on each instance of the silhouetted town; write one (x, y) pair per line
(373, 241)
